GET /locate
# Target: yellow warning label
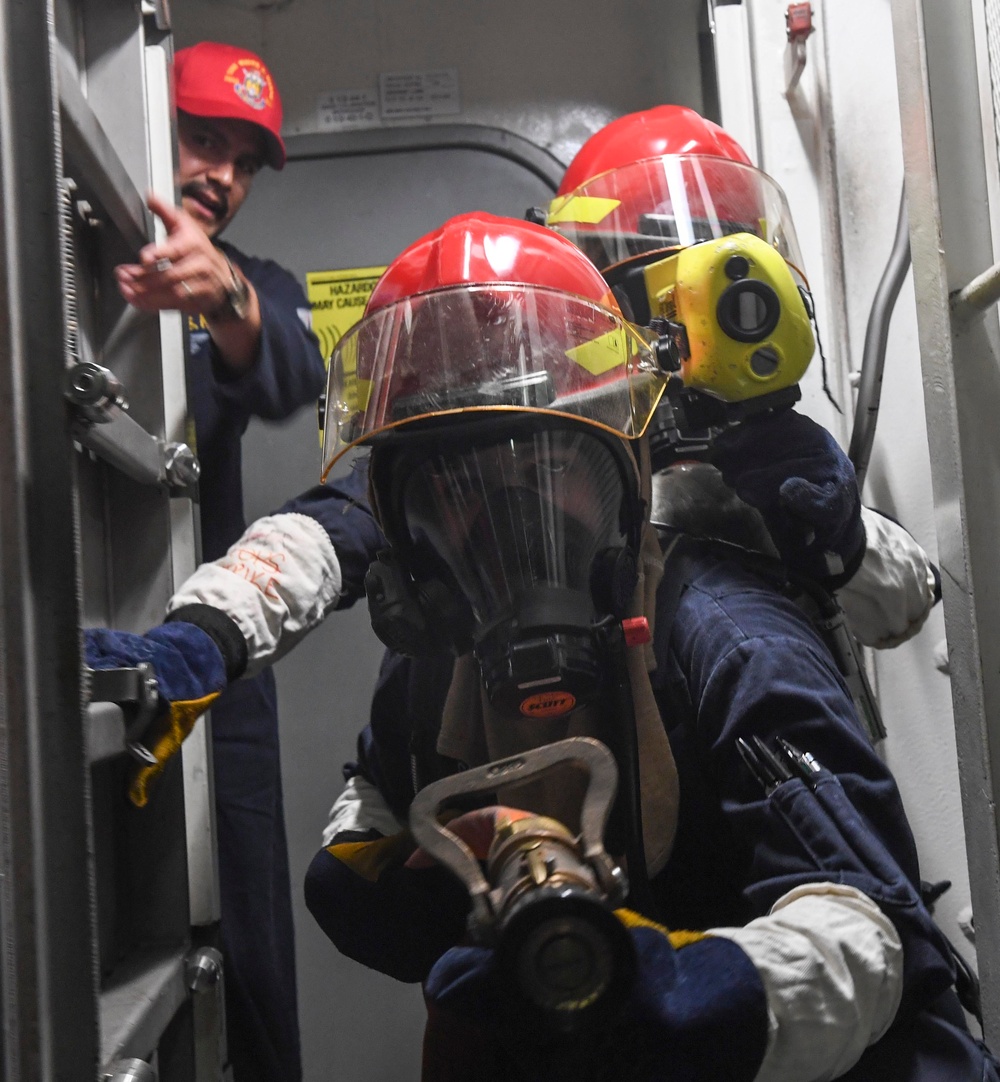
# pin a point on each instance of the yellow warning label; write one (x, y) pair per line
(337, 299)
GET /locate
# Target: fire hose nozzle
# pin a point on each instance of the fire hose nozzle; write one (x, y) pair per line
(546, 901)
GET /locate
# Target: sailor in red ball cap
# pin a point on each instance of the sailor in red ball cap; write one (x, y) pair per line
(228, 126)
(251, 353)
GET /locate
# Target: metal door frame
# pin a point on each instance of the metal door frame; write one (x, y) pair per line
(950, 239)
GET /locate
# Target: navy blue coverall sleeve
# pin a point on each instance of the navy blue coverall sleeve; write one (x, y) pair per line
(288, 372)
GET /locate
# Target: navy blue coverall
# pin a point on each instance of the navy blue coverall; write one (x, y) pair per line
(736, 658)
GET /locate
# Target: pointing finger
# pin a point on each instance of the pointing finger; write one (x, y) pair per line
(166, 212)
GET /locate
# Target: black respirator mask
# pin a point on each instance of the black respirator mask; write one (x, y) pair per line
(516, 538)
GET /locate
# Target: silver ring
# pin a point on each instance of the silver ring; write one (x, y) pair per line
(187, 289)
(162, 265)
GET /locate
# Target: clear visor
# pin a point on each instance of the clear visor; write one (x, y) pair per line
(489, 348)
(673, 202)
(516, 514)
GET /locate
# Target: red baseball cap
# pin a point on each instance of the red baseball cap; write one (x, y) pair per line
(211, 79)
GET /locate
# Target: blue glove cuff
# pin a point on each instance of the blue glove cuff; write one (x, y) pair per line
(187, 662)
(222, 630)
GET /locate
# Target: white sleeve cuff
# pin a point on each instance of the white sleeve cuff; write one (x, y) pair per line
(360, 807)
(832, 967)
(277, 583)
(891, 594)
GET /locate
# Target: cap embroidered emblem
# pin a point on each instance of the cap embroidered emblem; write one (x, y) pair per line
(251, 83)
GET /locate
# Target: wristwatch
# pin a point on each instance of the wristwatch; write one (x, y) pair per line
(237, 302)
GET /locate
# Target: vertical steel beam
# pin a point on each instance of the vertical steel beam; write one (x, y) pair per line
(48, 964)
(946, 191)
(196, 752)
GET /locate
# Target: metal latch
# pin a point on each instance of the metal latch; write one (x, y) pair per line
(104, 427)
(129, 1070)
(136, 691)
(95, 391)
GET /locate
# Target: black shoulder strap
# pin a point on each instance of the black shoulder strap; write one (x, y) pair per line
(668, 684)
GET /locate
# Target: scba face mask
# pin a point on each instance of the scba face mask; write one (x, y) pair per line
(499, 386)
(524, 544)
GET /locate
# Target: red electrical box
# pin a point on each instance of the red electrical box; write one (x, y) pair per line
(799, 21)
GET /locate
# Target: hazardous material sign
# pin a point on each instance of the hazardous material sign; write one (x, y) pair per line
(337, 299)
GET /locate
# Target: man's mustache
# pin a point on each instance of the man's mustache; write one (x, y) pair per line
(208, 195)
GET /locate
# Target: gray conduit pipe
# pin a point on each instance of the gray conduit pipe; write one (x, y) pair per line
(876, 336)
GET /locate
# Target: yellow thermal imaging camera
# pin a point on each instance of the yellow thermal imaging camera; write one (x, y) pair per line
(735, 315)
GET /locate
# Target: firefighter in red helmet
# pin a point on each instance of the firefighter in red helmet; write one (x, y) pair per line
(681, 224)
(662, 179)
(505, 399)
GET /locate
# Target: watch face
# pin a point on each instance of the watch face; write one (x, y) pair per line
(238, 298)
(238, 293)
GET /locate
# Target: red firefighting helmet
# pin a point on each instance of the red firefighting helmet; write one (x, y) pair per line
(664, 129)
(662, 179)
(216, 80)
(489, 314)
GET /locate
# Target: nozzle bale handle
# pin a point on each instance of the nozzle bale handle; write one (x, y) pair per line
(448, 849)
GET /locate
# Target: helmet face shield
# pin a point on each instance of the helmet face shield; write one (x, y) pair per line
(670, 202)
(514, 514)
(491, 347)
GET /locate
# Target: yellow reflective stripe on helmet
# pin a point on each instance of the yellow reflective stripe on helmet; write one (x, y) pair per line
(580, 209)
(601, 354)
(357, 394)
